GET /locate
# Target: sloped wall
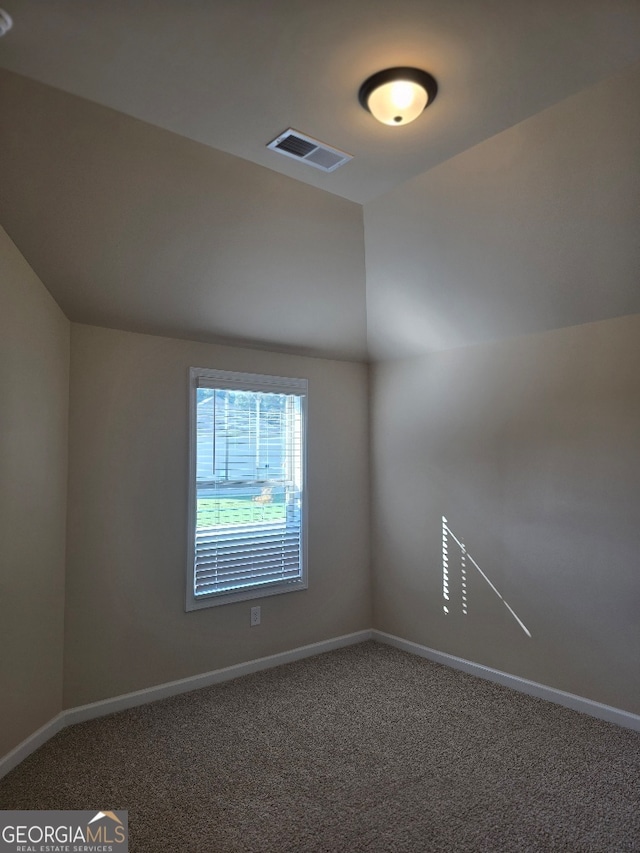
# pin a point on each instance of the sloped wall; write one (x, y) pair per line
(531, 230)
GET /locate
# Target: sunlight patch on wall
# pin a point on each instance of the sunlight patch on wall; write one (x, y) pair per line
(463, 555)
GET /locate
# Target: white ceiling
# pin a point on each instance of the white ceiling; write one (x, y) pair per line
(137, 184)
(233, 74)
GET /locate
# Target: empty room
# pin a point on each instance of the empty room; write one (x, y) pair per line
(319, 425)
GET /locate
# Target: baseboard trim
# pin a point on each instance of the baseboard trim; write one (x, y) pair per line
(172, 688)
(184, 685)
(206, 679)
(532, 688)
(35, 741)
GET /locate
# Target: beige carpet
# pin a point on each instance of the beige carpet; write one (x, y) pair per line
(362, 749)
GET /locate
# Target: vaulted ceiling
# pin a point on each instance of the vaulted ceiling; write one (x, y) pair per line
(137, 183)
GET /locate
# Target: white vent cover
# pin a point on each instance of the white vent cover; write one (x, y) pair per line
(309, 150)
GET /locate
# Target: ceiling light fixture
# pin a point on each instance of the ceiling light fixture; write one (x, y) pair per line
(398, 95)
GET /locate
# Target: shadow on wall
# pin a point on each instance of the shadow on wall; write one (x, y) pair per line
(456, 586)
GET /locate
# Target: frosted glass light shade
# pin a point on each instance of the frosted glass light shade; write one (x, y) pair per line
(397, 103)
(398, 95)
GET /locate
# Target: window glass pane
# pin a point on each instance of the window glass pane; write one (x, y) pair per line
(248, 489)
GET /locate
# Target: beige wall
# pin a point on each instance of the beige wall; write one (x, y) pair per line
(126, 627)
(530, 450)
(34, 375)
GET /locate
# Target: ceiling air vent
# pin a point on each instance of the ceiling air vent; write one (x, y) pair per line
(309, 150)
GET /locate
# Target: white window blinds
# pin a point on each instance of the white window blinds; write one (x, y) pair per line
(248, 473)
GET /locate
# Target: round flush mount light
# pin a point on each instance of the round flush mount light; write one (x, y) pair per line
(398, 95)
(5, 22)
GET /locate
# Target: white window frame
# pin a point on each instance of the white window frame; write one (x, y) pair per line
(230, 380)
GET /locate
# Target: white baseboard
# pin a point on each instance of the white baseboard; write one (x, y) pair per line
(184, 685)
(216, 676)
(30, 744)
(171, 688)
(531, 688)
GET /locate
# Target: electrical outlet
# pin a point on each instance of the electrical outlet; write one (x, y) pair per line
(255, 616)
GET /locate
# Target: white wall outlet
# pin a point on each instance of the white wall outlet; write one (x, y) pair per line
(255, 616)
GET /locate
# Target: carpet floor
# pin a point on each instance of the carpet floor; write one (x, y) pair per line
(363, 750)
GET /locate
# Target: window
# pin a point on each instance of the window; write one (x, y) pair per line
(247, 493)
